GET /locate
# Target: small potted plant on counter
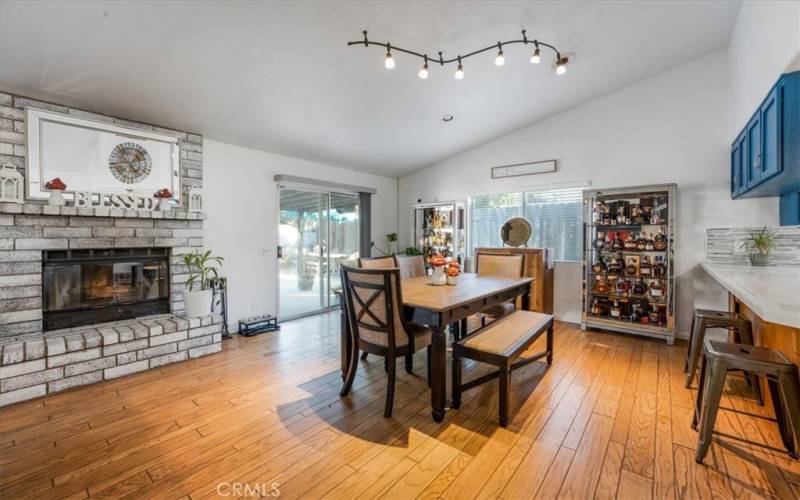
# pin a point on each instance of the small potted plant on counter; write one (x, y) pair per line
(760, 243)
(453, 270)
(197, 295)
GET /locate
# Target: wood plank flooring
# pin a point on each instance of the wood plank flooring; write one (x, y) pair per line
(609, 419)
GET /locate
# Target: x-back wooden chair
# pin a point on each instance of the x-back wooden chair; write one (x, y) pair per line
(373, 299)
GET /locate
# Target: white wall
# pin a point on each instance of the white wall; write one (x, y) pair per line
(669, 128)
(765, 43)
(240, 194)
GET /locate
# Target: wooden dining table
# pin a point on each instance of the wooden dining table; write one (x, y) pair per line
(439, 308)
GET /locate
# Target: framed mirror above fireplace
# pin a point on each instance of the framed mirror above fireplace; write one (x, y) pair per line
(85, 287)
(98, 157)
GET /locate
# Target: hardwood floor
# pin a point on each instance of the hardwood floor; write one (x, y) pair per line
(609, 419)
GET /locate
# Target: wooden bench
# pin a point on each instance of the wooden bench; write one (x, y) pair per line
(502, 344)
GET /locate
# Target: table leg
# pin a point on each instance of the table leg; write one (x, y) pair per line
(438, 372)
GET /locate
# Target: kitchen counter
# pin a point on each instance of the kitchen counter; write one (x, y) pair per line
(771, 292)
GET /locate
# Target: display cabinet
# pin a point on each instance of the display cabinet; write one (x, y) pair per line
(629, 260)
(440, 227)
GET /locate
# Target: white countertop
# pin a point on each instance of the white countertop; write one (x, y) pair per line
(772, 292)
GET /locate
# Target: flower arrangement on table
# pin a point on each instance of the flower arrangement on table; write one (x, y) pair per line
(444, 272)
(453, 270)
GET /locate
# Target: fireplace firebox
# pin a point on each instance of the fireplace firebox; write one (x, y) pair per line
(87, 286)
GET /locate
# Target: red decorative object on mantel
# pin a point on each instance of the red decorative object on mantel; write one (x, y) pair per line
(55, 185)
(164, 193)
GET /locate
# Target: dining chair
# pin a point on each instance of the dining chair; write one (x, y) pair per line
(410, 266)
(504, 266)
(374, 303)
(376, 262)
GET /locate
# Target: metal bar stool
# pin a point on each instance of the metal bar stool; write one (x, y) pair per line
(702, 320)
(784, 387)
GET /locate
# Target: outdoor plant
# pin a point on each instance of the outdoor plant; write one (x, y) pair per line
(201, 272)
(761, 241)
(412, 251)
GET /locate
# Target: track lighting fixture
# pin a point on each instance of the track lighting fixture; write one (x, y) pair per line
(561, 65)
(389, 61)
(423, 73)
(499, 60)
(536, 58)
(460, 71)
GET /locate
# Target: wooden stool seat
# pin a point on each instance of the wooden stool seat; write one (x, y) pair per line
(501, 344)
(782, 378)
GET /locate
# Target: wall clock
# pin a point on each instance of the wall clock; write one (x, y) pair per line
(130, 163)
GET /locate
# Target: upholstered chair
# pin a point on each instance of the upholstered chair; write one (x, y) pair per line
(410, 266)
(504, 266)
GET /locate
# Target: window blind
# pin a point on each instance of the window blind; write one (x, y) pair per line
(554, 214)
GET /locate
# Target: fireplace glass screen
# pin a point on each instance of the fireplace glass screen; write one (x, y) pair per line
(86, 287)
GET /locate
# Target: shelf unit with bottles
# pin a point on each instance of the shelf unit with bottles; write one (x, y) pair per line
(629, 260)
(440, 227)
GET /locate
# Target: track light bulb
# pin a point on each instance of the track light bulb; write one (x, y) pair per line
(561, 66)
(389, 62)
(423, 73)
(500, 59)
(459, 72)
(536, 58)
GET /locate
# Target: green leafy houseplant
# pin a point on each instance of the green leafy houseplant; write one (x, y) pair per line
(391, 243)
(203, 269)
(760, 244)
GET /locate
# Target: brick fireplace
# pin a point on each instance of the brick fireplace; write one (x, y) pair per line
(43, 351)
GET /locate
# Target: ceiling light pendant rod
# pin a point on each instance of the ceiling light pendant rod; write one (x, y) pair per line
(442, 61)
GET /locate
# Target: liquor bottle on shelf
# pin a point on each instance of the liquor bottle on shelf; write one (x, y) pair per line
(654, 315)
(657, 290)
(659, 270)
(638, 288)
(608, 244)
(637, 311)
(599, 267)
(641, 242)
(598, 210)
(597, 308)
(615, 310)
(631, 269)
(615, 266)
(648, 244)
(645, 267)
(630, 243)
(660, 241)
(622, 286)
(617, 244)
(600, 240)
(601, 286)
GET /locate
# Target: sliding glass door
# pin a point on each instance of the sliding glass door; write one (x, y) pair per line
(318, 231)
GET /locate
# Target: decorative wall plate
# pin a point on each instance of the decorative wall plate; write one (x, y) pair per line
(516, 232)
(130, 163)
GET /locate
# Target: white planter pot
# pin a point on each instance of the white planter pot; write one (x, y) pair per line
(197, 303)
(164, 205)
(438, 277)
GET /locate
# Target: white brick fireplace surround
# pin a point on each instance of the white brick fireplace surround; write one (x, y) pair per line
(35, 363)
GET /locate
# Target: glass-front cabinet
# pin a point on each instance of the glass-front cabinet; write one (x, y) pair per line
(629, 260)
(440, 227)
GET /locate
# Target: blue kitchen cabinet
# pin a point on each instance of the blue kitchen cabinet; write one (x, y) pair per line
(737, 174)
(766, 155)
(790, 209)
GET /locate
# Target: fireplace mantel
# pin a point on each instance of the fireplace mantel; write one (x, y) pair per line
(67, 211)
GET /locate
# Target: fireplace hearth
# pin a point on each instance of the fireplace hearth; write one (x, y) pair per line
(86, 286)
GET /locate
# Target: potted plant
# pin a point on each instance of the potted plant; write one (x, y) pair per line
(306, 274)
(760, 243)
(197, 295)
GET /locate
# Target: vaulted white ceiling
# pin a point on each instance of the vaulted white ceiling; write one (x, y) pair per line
(279, 76)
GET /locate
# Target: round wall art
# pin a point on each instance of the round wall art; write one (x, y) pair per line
(130, 163)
